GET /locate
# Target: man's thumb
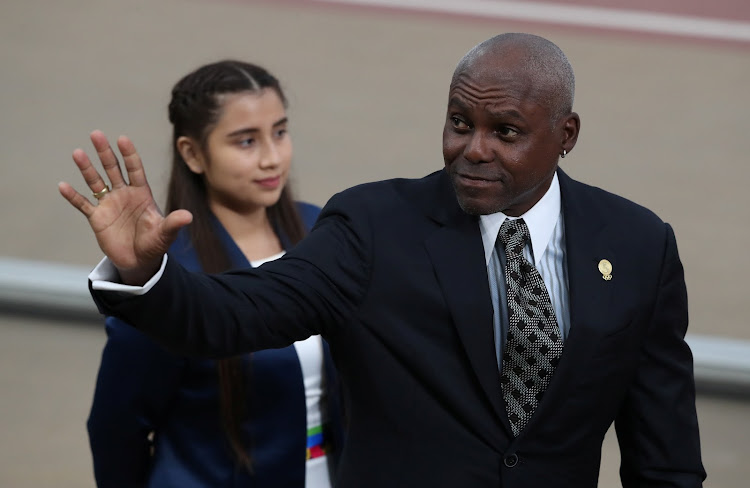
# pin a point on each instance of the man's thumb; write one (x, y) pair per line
(173, 222)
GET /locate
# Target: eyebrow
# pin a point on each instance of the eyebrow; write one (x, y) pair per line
(457, 102)
(253, 130)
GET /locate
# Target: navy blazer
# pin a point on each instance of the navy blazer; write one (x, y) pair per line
(142, 388)
(393, 275)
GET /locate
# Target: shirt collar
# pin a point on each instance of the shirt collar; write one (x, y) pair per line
(540, 219)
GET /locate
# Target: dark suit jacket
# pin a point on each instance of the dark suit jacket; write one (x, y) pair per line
(143, 389)
(394, 277)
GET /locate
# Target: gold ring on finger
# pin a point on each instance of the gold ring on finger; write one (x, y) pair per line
(99, 194)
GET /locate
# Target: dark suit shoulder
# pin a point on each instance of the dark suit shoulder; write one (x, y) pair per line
(382, 198)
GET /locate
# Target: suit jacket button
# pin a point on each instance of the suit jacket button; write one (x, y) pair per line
(510, 460)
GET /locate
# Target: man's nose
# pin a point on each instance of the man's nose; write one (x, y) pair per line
(478, 149)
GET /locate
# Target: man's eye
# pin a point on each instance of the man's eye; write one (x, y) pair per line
(458, 123)
(281, 133)
(507, 132)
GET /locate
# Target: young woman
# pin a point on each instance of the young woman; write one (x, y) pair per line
(270, 419)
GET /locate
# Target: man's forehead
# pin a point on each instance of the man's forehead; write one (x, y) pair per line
(498, 107)
(486, 82)
(499, 95)
(492, 75)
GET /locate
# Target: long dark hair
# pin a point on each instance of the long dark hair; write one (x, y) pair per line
(194, 110)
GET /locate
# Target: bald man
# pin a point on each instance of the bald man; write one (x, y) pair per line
(490, 321)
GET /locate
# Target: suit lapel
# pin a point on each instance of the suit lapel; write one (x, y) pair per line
(589, 295)
(586, 244)
(457, 254)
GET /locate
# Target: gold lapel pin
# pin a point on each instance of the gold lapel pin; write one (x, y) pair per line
(605, 268)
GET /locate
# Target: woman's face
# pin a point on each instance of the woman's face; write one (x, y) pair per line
(248, 153)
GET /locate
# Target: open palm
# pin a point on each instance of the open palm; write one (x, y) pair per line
(128, 225)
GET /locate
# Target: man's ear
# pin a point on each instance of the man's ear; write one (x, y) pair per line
(191, 153)
(571, 126)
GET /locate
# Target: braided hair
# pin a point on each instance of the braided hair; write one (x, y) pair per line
(194, 110)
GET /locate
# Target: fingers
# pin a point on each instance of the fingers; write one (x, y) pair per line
(111, 165)
(89, 173)
(133, 163)
(76, 199)
(108, 159)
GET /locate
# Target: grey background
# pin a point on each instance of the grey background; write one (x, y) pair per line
(664, 122)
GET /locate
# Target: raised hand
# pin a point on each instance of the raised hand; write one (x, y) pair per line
(126, 221)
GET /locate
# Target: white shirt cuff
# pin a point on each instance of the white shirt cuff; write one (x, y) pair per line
(104, 277)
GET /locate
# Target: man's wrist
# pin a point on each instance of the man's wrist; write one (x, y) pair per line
(105, 277)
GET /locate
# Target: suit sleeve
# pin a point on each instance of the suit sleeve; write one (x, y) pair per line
(312, 290)
(657, 427)
(136, 382)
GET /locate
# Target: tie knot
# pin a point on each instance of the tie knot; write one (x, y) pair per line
(513, 234)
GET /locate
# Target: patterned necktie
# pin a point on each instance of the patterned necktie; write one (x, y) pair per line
(533, 346)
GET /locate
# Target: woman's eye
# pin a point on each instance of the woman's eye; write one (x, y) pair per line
(281, 132)
(247, 142)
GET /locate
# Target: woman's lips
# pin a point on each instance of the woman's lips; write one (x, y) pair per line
(270, 183)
